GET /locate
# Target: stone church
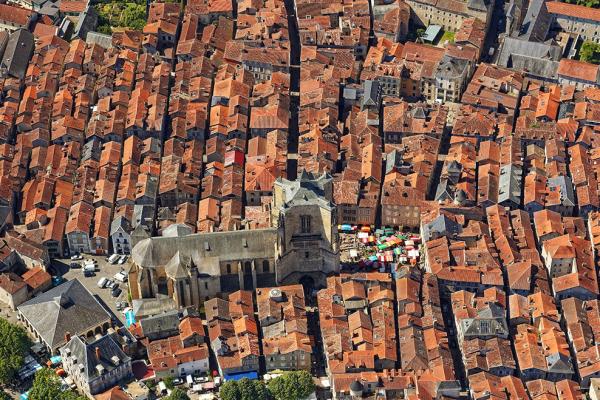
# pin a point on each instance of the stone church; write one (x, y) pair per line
(301, 247)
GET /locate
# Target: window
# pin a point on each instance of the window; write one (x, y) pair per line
(265, 266)
(306, 254)
(228, 268)
(305, 223)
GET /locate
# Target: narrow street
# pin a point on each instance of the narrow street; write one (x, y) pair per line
(293, 133)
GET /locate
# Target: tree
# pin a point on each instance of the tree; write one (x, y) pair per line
(590, 52)
(46, 385)
(244, 389)
(4, 396)
(178, 394)
(295, 385)
(169, 382)
(14, 346)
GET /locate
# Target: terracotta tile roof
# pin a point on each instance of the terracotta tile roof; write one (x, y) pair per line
(11, 283)
(573, 11)
(191, 326)
(36, 277)
(579, 70)
(15, 15)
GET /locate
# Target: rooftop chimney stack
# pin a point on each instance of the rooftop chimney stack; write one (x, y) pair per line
(98, 353)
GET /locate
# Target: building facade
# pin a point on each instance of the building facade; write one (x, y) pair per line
(449, 15)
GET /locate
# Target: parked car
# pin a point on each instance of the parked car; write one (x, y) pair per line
(89, 267)
(116, 293)
(109, 283)
(177, 381)
(76, 257)
(75, 265)
(115, 286)
(122, 260)
(102, 282)
(113, 259)
(121, 276)
(87, 273)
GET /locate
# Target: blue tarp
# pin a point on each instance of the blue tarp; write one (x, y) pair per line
(241, 375)
(55, 360)
(129, 318)
(24, 396)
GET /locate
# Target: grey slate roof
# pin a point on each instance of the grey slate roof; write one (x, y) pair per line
(490, 321)
(206, 250)
(120, 222)
(517, 46)
(86, 355)
(536, 23)
(441, 226)
(444, 191)
(510, 184)
(146, 307)
(392, 159)
(370, 94)
(558, 363)
(479, 5)
(154, 325)
(69, 307)
(566, 189)
(451, 67)
(100, 39)
(18, 53)
(143, 214)
(307, 189)
(50, 9)
(177, 230)
(537, 59)
(88, 20)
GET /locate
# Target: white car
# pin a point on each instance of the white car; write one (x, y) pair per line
(76, 257)
(122, 260)
(110, 283)
(121, 276)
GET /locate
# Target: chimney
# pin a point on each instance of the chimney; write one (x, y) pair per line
(98, 353)
(67, 336)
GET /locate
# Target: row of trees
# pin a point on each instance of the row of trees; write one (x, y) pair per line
(297, 385)
(14, 346)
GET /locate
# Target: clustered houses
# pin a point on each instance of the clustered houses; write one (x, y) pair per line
(282, 318)
(482, 332)
(183, 354)
(413, 70)
(334, 25)
(233, 333)
(174, 131)
(195, 124)
(423, 338)
(358, 327)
